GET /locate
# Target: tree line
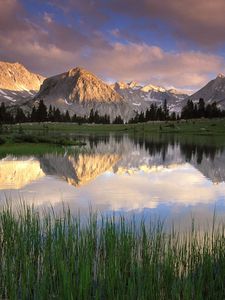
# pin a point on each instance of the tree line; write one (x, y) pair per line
(200, 110)
(41, 113)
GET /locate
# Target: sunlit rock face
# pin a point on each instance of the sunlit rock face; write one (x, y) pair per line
(17, 84)
(78, 170)
(15, 174)
(79, 91)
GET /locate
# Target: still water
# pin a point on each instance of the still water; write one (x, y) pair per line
(165, 177)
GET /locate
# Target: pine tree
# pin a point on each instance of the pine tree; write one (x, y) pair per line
(201, 108)
(118, 120)
(50, 114)
(20, 116)
(41, 112)
(67, 117)
(2, 113)
(33, 117)
(91, 118)
(165, 110)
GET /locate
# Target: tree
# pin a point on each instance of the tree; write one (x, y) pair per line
(165, 110)
(33, 117)
(91, 118)
(41, 113)
(20, 116)
(201, 108)
(2, 113)
(57, 115)
(188, 110)
(67, 117)
(118, 120)
(50, 114)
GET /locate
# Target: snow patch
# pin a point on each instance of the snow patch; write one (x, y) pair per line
(10, 98)
(67, 102)
(3, 93)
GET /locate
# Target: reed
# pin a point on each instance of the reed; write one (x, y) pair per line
(61, 257)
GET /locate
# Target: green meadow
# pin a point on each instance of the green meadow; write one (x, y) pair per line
(196, 126)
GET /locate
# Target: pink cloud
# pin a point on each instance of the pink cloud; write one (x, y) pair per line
(47, 47)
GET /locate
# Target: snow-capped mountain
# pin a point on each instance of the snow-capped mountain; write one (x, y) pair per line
(142, 96)
(212, 91)
(17, 84)
(79, 91)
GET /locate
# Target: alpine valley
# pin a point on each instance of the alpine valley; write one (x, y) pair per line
(79, 91)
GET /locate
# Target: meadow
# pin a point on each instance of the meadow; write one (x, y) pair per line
(193, 127)
(49, 256)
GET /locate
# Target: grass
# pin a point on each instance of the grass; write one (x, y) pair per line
(27, 149)
(54, 257)
(197, 127)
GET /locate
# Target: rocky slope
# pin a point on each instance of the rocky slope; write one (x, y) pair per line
(141, 97)
(212, 91)
(17, 84)
(79, 91)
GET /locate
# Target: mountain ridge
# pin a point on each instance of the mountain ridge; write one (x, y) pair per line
(79, 91)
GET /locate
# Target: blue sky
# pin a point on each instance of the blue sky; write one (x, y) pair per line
(170, 43)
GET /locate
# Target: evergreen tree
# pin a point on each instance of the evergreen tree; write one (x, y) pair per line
(20, 116)
(201, 108)
(33, 117)
(165, 110)
(41, 112)
(118, 120)
(50, 114)
(57, 115)
(91, 118)
(67, 117)
(2, 113)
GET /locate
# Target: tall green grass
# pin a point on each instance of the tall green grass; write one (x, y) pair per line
(54, 257)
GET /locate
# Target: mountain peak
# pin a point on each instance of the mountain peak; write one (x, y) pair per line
(78, 85)
(151, 87)
(220, 75)
(132, 84)
(15, 77)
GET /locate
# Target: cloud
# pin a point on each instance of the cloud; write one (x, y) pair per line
(148, 63)
(124, 192)
(200, 21)
(47, 46)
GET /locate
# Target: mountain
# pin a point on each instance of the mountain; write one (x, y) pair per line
(17, 84)
(79, 91)
(141, 97)
(212, 91)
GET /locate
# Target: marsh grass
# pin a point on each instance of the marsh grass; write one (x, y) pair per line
(60, 257)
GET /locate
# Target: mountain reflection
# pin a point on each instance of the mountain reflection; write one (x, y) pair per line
(157, 175)
(115, 154)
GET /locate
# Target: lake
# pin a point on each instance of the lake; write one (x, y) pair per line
(163, 176)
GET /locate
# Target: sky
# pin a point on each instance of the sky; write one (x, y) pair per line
(169, 43)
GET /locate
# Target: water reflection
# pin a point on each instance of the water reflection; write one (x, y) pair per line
(142, 175)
